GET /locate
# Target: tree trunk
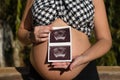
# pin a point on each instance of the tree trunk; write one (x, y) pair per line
(2, 61)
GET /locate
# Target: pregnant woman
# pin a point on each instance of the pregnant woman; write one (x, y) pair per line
(83, 16)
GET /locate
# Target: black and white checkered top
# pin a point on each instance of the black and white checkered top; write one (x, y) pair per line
(76, 13)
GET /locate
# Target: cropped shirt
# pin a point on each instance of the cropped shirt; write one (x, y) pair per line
(78, 14)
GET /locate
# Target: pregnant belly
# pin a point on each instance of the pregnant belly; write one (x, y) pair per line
(38, 57)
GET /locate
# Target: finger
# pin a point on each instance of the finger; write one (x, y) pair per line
(42, 35)
(61, 65)
(64, 67)
(77, 60)
(42, 29)
(48, 27)
(73, 65)
(45, 31)
(42, 39)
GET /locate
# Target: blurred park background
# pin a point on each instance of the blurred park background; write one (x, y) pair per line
(13, 53)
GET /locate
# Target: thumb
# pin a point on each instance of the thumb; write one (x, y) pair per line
(74, 63)
(77, 61)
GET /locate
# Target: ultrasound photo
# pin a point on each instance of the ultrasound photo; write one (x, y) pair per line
(60, 35)
(59, 45)
(60, 53)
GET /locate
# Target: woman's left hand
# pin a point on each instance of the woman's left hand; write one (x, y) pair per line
(77, 61)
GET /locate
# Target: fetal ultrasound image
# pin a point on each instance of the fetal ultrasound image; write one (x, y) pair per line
(59, 45)
(59, 53)
(60, 35)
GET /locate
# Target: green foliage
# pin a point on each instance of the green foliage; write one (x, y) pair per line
(11, 11)
(115, 28)
(8, 13)
(19, 7)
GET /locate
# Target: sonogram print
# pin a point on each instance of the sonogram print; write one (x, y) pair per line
(60, 35)
(59, 45)
(59, 53)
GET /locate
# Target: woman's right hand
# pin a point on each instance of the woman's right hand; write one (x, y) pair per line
(40, 34)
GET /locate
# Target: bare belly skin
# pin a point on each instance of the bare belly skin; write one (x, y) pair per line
(38, 56)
